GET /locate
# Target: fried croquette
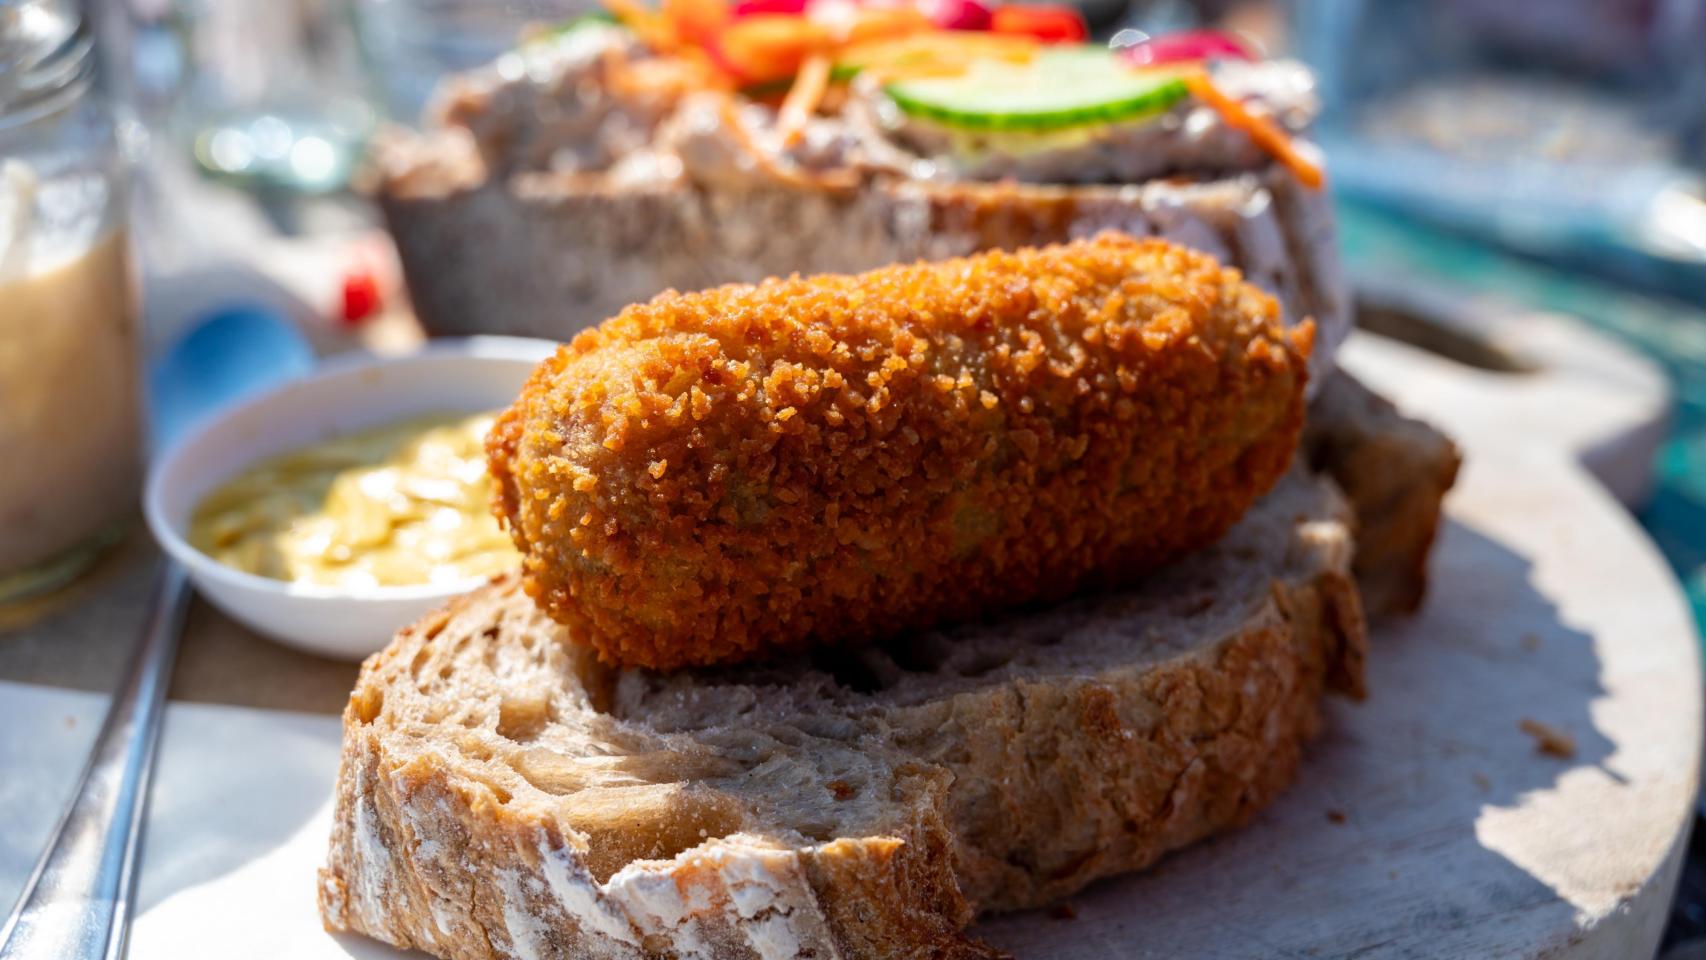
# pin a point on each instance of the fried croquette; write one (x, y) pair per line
(712, 476)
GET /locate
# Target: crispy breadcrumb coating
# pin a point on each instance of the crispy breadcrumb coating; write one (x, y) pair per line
(711, 476)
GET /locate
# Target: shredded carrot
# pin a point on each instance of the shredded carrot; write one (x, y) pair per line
(768, 162)
(697, 22)
(705, 72)
(1267, 134)
(769, 47)
(653, 28)
(661, 76)
(803, 98)
(883, 23)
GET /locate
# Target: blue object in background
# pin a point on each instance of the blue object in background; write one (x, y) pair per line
(1568, 129)
(237, 352)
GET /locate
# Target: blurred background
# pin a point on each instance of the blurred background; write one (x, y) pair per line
(1549, 154)
(1568, 130)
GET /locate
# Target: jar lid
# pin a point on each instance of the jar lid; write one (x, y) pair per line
(44, 54)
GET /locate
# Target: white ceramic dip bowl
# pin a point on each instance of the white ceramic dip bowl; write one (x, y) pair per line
(342, 396)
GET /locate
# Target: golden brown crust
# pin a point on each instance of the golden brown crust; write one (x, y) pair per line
(711, 476)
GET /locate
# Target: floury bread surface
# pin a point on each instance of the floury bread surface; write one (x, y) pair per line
(502, 794)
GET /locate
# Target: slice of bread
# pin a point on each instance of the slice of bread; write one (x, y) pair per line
(1395, 471)
(569, 250)
(504, 795)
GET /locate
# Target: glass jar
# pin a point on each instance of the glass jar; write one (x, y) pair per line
(70, 411)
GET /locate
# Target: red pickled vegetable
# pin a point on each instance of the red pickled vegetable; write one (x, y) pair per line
(361, 299)
(1046, 22)
(1190, 45)
(747, 8)
(957, 14)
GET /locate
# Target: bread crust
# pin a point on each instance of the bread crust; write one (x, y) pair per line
(569, 251)
(501, 794)
(1396, 471)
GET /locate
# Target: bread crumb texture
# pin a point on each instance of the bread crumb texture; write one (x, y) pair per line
(1548, 739)
(710, 476)
(505, 794)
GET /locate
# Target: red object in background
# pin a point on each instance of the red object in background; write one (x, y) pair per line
(1050, 24)
(748, 8)
(1190, 45)
(361, 300)
(958, 14)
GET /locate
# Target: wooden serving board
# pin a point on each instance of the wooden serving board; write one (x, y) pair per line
(1425, 822)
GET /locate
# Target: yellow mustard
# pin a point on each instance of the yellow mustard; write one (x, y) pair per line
(403, 504)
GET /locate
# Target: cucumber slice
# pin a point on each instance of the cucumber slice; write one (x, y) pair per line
(1061, 88)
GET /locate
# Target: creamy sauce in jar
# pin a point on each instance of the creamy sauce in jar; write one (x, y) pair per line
(400, 505)
(70, 423)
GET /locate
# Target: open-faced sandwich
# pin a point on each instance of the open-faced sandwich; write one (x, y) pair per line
(707, 142)
(856, 606)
